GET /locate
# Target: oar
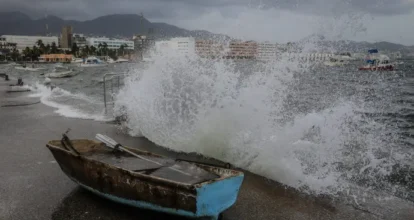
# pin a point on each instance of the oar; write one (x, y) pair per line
(114, 145)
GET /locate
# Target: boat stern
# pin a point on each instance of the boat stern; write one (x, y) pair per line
(215, 197)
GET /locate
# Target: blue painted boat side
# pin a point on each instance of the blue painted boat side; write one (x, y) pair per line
(139, 204)
(216, 197)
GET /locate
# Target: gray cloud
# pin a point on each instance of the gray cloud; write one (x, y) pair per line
(170, 9)
(273, 20)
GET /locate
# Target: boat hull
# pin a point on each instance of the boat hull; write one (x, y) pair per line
(157, 208)
(377, 68)
(65, 74)
(92, 65)
(207, 199)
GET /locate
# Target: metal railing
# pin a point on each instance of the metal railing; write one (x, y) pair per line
(115, 80)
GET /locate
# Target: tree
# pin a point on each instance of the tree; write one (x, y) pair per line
(105, 48)
(75, 49)
(92, 49)
(100, 49)
(122, 49)
(39, 42)
(27, 52)
(54, 48)
(47, 49)
(86, 51)
(41, 46)
(15, 54)
(35, 53)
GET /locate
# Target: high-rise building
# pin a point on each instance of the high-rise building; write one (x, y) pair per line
(66, 40)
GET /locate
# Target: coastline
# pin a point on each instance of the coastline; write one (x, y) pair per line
(32, 186)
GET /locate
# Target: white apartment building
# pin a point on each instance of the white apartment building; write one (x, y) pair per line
(312, 57)
(80, 40)
(4, 45)
(266, 51)
(112, 43)
(183, 45)
(29, 41)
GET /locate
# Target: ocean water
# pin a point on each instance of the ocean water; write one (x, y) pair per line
(320, 130)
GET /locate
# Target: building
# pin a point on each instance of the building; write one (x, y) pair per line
(209, 49)
(6, 46)
(112, 43)
(242, 50)
(396, 55)
(29, 41)
(143, 42)
(311, 57)
(66, 39)
(142, 46)
(139, 42)
(182, 45)
(79, 40)
(266, 51)
(54, 58)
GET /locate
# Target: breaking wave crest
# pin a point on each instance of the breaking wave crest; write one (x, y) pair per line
(240, 112)
(69, 104)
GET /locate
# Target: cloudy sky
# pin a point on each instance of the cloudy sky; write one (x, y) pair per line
(272, 20)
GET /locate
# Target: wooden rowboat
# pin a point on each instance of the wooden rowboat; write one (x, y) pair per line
(177, 187)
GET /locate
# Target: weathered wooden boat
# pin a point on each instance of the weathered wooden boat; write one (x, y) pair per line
(177, 187)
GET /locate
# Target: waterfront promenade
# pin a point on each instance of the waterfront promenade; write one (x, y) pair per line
(32, 186)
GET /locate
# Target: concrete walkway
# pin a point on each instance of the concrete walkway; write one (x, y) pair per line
(32, 186)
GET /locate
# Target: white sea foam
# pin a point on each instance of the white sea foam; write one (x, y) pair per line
(70, 105)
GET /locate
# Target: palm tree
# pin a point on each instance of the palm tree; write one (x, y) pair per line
(75, 49)
(100, 49)
(105, 48)
(54, 48)
(27, 52)
(47, 49)
(93, 50)
(86, 51)
(35, 53)
(15, 54)
(40, 44)
(122, 49)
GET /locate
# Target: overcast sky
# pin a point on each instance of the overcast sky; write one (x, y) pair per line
(272, 20)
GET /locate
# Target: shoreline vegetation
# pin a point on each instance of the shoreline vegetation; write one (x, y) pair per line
(33, 54)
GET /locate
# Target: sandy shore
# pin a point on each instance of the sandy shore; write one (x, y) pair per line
(32, 186)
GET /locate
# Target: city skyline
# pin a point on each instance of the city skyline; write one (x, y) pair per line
(279, 21)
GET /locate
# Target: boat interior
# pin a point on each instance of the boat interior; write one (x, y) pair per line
(180, 171)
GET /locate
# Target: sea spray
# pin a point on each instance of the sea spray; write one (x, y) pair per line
(267, 118)
(191, 104)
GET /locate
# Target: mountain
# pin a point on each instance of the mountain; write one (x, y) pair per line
(125, 25)
(322, 44)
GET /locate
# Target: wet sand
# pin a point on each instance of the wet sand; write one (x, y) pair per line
(32, 186)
